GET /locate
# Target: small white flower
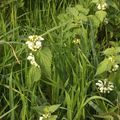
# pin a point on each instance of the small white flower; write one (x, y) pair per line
(105, 86)
(34, 42)
(31, 58)
(38, 44)
(111, 59)
(31, 37)
(115, 67)
(41, 118)
(102, 6)
(106, 21)
(46, 115)
(40, 38)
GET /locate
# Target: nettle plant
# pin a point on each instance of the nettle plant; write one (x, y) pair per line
(82, 26)
(46, 112)
(109, 69)
(40, 59)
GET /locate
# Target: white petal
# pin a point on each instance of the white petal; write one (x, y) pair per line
(41, 118)
(38, 44)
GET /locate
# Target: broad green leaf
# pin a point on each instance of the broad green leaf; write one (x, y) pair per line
(104, 66)
(101, 15)
(53, 108)
(94, 20)
(81, 9)
(112, 51)
(83, 17)
(63, 17)
(34, 75)
(41, 109)
(72, 11)
(44, 58)
(109, 51)
(46, 109)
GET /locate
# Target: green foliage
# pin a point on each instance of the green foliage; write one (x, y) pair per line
(44, 59)
(112, 59)
(34, 75)
(63, 85)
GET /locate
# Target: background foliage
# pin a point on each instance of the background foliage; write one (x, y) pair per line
(74, 55)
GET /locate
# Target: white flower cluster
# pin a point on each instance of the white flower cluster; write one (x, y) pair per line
(105, 86)
(31, 58)
(102, 6)
(35, 42)
(115, 67)
(44, 116)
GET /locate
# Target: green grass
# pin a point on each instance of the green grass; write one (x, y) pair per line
(67, 73)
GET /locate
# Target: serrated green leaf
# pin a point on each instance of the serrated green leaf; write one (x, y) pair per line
(53, 108)
(46, 109)
(81, 9)
(41, 109)
(104, 66)
(83, 17)
(34, 75)
(44, 58)
(94, 20)
(72, 11)
(100, 15)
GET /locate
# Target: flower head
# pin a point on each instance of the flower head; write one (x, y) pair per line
(41, 118)
(34, 42)
(105, 86)
(44, 116)
(31, 58)
(115, 67)
(102, 6)
(76, 41)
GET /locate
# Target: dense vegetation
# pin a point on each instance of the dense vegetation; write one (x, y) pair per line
(59, 60)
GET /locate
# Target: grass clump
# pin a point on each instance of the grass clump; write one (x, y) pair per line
(59, 60)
